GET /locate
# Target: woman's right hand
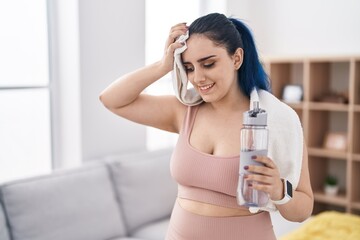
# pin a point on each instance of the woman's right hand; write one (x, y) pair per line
(171, 44)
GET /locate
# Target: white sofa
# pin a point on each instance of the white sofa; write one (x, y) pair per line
(125, 197)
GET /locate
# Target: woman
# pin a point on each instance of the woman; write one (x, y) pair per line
(222, 64)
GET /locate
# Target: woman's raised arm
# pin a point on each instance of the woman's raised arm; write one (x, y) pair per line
(125, 96)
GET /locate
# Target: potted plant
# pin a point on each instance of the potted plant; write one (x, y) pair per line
(331, 186)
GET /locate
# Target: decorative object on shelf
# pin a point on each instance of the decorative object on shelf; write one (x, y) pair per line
(331, 186)
(336, 141)
(292, 93)
(334, 97)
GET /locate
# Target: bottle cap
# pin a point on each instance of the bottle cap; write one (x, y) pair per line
(256, 116)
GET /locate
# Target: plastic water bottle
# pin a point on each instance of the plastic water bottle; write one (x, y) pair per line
(254, 142)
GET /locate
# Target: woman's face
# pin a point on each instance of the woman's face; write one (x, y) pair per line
(210, 68)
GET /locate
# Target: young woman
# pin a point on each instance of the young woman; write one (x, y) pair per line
(222, 64)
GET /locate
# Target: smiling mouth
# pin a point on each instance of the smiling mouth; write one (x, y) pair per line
(206, 87)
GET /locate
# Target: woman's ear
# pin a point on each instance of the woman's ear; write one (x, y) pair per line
(238, 58)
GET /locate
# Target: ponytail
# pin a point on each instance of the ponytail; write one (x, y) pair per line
(251, 73)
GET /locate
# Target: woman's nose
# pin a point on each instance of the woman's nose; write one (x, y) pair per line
(198, 76)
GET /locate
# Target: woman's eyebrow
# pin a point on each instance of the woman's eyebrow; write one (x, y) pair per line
(201, 59)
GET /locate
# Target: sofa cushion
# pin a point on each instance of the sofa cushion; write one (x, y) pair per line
(144, 186)
(153, 231)
(4, 234)
(77, 204)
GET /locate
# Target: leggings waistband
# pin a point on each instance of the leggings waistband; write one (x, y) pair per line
(185, 225)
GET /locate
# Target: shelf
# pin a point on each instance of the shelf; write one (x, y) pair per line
(355, 205)
(327, 78)
(296, 106)
(356, 85)
(283, 74)
(356, 157)
(355, 211)
(322, 152)
(339, 200)
(323, 122)
(328, 106)
(355, 179)
(357, 108)
(356, 134)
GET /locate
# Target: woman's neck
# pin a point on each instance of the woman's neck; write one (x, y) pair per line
(235, 101)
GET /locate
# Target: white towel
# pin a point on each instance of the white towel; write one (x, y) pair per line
(187, 96)
(285, 130)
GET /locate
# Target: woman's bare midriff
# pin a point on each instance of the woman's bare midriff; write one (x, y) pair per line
(210, 210)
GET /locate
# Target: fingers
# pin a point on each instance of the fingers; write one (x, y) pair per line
(268, 167)
(176, 31)
(265, 160)
(266, 177)
(274, 190)
(170, 46)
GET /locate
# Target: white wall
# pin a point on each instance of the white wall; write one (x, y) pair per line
(304, 27)
(112, 42)
(92, 43)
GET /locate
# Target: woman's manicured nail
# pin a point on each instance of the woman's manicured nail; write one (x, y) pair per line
(246, 167)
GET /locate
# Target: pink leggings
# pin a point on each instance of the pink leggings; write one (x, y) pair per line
(185, 225)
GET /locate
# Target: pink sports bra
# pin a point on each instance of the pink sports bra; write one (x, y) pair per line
(200, 176)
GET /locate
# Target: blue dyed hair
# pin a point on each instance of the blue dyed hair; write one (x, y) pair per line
(232, 34)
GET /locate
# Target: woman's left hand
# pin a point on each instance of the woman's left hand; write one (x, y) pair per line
(267, 177)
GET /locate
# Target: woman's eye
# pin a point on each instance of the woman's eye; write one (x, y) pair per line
(188, 69)
(209, 65)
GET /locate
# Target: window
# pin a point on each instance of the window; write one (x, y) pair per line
(25, 130)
